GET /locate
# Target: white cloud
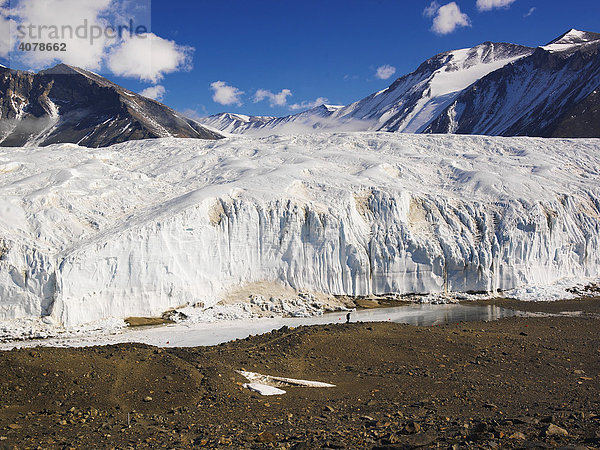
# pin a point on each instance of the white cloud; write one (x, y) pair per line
(6, 32)
(95, 34)
(307, 105)
(530, 12)
(56, 15)
(279, 99)
(385, 71)
(154, 92)
(148, 57)
(431, 9)
(487, 5)
(448, 18)
(225, 94)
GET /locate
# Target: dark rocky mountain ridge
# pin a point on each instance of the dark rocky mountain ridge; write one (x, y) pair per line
(68, 104)
(547, 94)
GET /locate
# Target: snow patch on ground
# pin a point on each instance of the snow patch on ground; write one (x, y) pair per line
(269, 385)
(263, 389)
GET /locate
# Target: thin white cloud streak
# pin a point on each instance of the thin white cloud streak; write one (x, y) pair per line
(530, 12)
(6, 36)
(7, 28)
(279, 99)
(431, 9)
(313, 124)
(194, 114)
(488, 5)
(384, 72)
(448, 18)
(225, 94)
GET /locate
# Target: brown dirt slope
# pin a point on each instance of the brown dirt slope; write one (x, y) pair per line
(514, 383)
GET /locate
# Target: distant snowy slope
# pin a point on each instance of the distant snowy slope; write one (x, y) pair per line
(235, 123)
(141, 227)
(536, 96)
(414, 100)
(310, 121)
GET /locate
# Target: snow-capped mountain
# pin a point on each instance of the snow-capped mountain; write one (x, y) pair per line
(414, 100)
(235, 123)
(68, 104)
(408, 105)
(493, 89)
(141, 227)
(553, 93)
(572, 41)
(306, 122)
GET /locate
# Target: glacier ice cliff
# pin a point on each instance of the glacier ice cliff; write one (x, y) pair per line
(141, 227)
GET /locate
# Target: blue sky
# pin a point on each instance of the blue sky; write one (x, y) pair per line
(286, 55)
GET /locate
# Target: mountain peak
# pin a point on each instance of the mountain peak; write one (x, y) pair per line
(64, 69)
(574, 36)
(326, 108)
(70, 104)
(571, 40)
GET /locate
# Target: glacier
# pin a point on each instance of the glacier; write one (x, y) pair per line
(143, 227)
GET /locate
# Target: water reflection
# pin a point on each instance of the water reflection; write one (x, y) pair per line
(431, 315)
(203, 334)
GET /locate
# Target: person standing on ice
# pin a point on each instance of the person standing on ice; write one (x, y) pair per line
(348, 318)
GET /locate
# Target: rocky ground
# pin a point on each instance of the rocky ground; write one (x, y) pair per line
(515, 383)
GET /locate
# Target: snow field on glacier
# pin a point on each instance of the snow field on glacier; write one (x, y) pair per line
(143, 227)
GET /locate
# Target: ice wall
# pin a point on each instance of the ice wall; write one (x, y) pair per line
(340, 214)
(400, 245)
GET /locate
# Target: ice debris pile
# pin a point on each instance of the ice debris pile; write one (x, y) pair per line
(144, 227)
(302, 305)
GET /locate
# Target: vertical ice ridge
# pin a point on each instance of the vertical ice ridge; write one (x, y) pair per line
(333, 253)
